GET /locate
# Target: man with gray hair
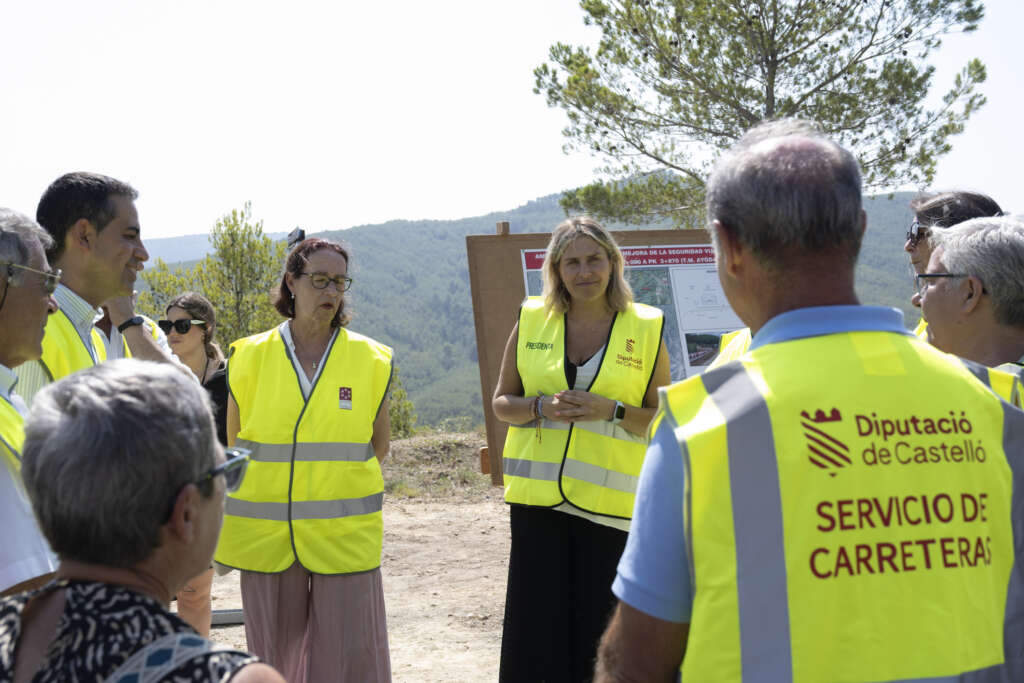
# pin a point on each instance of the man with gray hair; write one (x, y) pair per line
(972, 292)
(26, 301)
(836, 503)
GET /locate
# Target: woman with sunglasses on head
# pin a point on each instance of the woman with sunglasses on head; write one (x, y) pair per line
(190, 326)
(936, 211)
(309, 399)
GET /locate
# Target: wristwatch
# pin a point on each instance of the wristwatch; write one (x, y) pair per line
(131, 322)
(618, 414)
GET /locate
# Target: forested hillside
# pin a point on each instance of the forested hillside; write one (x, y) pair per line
(411, 291)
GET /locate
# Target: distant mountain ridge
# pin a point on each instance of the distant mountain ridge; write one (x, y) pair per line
(411, 289)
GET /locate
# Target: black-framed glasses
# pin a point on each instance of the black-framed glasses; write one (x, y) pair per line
(321, 280)
(921, 280)
(180, 326)
(916, 233)
(50, 278)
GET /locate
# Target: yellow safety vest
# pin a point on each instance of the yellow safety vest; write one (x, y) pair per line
(847, 507)
(63, 350)
(12, 434)
(731, 346)
(313, 491)
(593, 465)
(921, 331)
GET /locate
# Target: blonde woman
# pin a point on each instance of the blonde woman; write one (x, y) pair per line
(578, 385)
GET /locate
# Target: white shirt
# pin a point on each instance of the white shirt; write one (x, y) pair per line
(24, 553)
(32, 376)
(304, 382)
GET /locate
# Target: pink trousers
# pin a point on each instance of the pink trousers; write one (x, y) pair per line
(314, 628)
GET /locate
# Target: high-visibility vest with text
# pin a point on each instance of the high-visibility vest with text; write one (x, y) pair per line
(848, 514)
(594, 465)
(313, 491)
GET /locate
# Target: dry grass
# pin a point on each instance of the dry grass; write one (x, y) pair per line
(436, 464)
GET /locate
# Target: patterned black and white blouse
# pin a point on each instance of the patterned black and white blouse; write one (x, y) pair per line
(101, 627)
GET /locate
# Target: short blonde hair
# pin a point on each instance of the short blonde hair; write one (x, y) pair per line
(619, 294)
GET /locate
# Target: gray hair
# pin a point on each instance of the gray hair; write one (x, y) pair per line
(991, 249)
(16, 233)
(106, 451)
(802, 194)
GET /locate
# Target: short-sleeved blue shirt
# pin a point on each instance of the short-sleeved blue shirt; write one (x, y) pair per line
(653, 574)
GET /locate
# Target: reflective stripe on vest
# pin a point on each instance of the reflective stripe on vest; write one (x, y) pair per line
(308, 452)
(64, 352)
(594, 465)
(313, 491)
(12, 434)
(759, 515)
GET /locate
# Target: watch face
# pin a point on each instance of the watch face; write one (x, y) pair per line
(620, 411)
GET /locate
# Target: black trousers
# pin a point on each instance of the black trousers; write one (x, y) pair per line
(559, 597)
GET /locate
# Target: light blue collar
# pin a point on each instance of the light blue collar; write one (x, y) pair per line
(818, 320)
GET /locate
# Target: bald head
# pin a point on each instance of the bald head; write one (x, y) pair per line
(788, 193)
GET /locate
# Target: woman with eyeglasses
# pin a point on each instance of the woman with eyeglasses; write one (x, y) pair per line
(309, 399)
(190, 326)
(934, 212)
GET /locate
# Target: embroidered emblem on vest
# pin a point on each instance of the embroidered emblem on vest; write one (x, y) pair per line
(826, 451)
(345, 398)
(629, 345)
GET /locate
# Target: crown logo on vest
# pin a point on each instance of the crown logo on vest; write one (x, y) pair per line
(629, 345)
(826, 451)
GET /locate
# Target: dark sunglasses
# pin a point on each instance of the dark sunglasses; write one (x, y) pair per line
(916, 233)
(233, 469)
(180, 326)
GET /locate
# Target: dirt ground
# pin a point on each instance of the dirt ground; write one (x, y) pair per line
(445, 564)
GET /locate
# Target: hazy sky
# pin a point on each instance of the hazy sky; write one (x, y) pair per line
(334, 114)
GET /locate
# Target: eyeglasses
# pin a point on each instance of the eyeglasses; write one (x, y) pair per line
(922, 279)
(180, 326)
(233, 469)
(321, 280)
(50, 278)
(916, 233)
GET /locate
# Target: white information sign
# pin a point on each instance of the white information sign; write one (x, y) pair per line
(680, 280)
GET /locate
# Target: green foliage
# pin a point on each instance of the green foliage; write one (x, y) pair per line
(237, 277)
(400, 409)
(672, 83)
(411, 291)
